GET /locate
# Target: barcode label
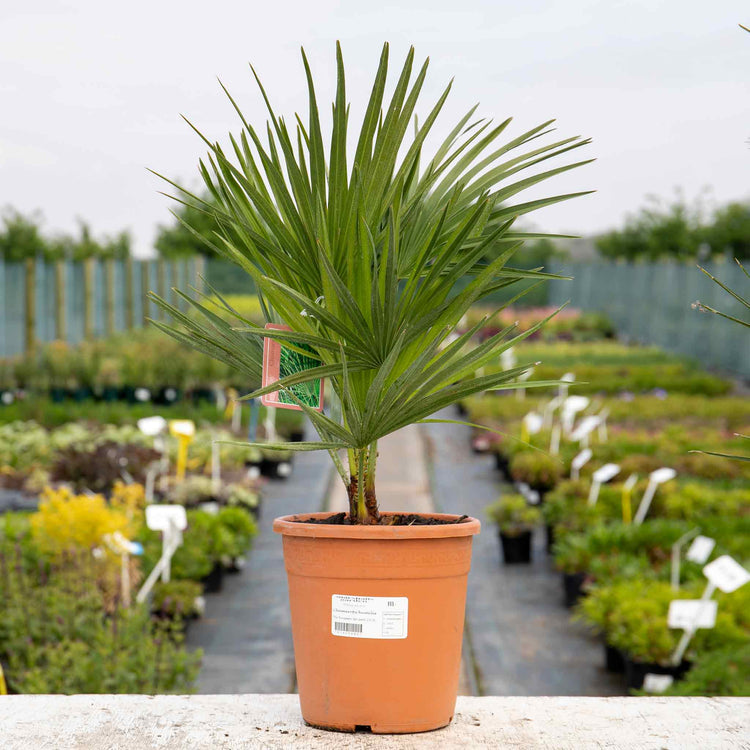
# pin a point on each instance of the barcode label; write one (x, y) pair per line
(384, 617)
(348, 627)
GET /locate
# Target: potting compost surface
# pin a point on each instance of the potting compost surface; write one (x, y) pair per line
(391, 519)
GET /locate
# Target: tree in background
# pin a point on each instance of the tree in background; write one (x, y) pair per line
(179, 240)
(21, 237)
(730, 231)
(679, 230)
(656, 231)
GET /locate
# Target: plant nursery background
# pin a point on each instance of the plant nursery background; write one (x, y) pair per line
(136, 548)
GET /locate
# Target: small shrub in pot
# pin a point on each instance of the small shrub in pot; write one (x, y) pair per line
(515, 520)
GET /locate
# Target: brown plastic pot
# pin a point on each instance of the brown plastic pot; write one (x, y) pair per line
(387, 685)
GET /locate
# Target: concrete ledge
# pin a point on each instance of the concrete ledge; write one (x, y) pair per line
(274, 721)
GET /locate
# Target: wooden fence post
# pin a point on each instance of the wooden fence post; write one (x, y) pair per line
(30, 305)
(109, 295)
(129, 294)
(161, 284)
(60, 320)
(88, 298)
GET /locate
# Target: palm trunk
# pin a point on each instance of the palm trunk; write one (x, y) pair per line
(363, 504)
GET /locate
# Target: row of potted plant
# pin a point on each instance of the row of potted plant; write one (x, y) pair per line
(65, 602)
(91, 456)
(617, 574)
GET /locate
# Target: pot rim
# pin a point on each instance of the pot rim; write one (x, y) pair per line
(294, 526)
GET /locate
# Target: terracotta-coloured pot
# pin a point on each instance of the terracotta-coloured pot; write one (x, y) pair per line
(392, 666)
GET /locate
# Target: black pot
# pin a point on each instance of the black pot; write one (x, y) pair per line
(167, 395)
(81, 394)
(636, 671)
(516, 549)
(613, 659)
(273, 470)
(108, 393)
(550, 537)
(203, 394)
(573, 587)
(213, 582)
(58, 395)
(296, 436)
(502, 464)
(135, 394)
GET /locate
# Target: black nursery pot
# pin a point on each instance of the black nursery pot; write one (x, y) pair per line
(213, 582)
(573, 587)
(613, 659)
(502, 464)
(167, 395)
(516, 549)
(271, 469)
(58, 395)
(199, 395)
(636, 671)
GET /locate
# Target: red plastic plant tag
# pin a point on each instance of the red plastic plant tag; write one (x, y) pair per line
(280, 361)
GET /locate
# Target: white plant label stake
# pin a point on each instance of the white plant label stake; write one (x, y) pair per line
(583, 431)
(150, 479)
(655, 478)
(579, 462)
(676, 547)
(124, 548)
(657, 683)
(725, 574)
(566, 380)
(700, 550)
(269, 424)
(627, 491)
(571, 406)
(531, 425)
(554, 442)
(215, 466)
(603, 414)
(155, 427)
(549, 410)
(508, 359)
(171, 520)
(601, 476)
(522, 378)
(685, 614)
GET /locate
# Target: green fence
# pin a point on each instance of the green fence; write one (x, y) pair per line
(69, 301)
(651, 303)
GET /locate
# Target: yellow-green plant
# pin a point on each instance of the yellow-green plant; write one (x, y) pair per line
(359, 254)
(66, 521)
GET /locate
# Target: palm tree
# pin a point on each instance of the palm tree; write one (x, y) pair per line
(359, 256)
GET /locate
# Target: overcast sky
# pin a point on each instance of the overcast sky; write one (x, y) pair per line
(91, 95)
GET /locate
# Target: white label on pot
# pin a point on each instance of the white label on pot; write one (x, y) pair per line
(726, 574)
(689, 614)
(384, 617)
(700, 550)
(657, 683)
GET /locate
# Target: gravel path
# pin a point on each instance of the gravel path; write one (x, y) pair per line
(521, 638)
(246, 631)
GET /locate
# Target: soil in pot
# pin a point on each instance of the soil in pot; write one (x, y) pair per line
(516, 549)
(377, 620)
(636, 671)
(613, 659)
(573, 587)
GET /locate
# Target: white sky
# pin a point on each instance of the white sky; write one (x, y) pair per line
(90, 95)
